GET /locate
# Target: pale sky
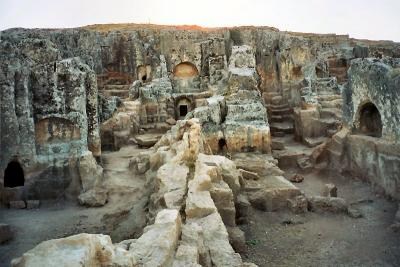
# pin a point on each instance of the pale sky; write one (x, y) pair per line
(371, 19)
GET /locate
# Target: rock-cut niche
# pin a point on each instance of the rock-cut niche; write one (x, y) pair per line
(370, 120)
(185, 70)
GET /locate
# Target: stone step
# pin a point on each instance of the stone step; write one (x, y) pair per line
(277, 144)
(276, 118)
(331, 113)
(277, 134)
(278, 106)
(314, 141)
(328, 97)
(119, 93)
(116, 87)
(332, 104)
(288, 158)
(285, 127)
(331, 132)
(283, 111)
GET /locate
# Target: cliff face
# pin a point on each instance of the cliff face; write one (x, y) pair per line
(51, 81)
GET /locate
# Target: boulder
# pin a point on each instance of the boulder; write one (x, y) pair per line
(157, 245)
(77, 250)
(93, 198)
(90, 172)
(199, 204)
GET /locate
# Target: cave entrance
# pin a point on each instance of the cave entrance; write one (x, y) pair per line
(222, 144)
(14, 175)
(144, 78)
(370, 120)
(183, 110)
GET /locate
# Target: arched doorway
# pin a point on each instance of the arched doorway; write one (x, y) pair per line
(370, 120)
(185, 70)
(14, 175)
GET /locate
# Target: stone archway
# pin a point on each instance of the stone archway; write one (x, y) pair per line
(14, 175)
(370, 122)
(185, 70)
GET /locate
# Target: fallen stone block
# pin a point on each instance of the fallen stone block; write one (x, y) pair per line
(76, 250)
(32, 204)
(298, 204)
(93, 198)
(18, 204)
(199, 204)
(327, 204)
(6, 233)
(274, 195)
(249, 175)
(157, 245)
(242, 206)
(329, 190)
(237, 239)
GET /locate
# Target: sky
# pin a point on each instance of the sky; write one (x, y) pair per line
(366, 19)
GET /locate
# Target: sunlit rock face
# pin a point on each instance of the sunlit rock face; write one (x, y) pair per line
(369, 145)
(49, 117)
(59, 85)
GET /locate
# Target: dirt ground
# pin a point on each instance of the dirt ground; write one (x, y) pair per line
(286, 239)
(273, 238)
(122, 217)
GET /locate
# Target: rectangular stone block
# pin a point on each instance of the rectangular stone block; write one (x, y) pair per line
(19, 204)
(32, 204)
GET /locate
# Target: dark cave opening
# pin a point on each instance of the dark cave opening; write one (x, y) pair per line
(370, 120)
(14, 175)
(221, 144)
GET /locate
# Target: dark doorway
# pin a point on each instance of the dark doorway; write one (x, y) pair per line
(183, 110)
(370, 120)
(14, 175)
(221, 144)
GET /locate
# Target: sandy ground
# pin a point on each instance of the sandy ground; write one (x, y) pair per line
(286, 239)
(122, 217)
(273, 238)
